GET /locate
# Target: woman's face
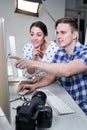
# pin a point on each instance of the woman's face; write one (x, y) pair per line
(37, 36)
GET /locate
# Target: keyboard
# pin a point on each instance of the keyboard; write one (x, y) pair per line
(58, 105)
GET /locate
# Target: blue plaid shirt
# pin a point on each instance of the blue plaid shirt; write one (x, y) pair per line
(76, 84)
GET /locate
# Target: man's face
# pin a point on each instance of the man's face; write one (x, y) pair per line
(65, 36)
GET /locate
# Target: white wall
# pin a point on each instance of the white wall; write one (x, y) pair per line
(18, 24)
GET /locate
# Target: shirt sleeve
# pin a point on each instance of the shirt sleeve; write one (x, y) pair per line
(27, 51)
(27, 54)
(83, 55)
(50, 52)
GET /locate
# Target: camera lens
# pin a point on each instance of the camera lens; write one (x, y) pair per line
(40, 95)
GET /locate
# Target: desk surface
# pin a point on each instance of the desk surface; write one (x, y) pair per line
(76, 121)
(4, 124)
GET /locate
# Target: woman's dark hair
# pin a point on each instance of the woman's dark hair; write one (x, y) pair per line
(68, 20)
(40, 25)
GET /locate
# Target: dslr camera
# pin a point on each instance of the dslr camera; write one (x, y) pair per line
(34, 114)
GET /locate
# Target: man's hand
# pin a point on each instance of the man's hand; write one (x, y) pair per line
(30, 87)
(21, 63)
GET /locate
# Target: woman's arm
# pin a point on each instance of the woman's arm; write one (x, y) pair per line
(35, 53)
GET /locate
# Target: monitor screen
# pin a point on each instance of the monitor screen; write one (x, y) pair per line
(4, 88)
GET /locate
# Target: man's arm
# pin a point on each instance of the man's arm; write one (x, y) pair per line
(58, 69)
(61, 69)
(44, 81)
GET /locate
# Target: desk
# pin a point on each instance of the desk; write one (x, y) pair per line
(4, 124)
(76, 121)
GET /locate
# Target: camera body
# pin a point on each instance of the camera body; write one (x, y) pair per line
(34, 114)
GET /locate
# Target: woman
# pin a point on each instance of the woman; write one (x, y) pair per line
(39, 49)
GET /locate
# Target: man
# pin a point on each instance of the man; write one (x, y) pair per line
(70, 62)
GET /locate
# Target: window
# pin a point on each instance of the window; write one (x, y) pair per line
(27, 7)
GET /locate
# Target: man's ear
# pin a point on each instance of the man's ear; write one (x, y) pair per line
(75, 35)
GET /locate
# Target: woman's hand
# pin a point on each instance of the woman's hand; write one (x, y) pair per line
(37, 52)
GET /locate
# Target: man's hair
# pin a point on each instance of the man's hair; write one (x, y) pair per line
(68, 20)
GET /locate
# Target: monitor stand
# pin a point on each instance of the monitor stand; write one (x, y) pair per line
(12, 79)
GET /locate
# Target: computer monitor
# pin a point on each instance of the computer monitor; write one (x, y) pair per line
(4, 88)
